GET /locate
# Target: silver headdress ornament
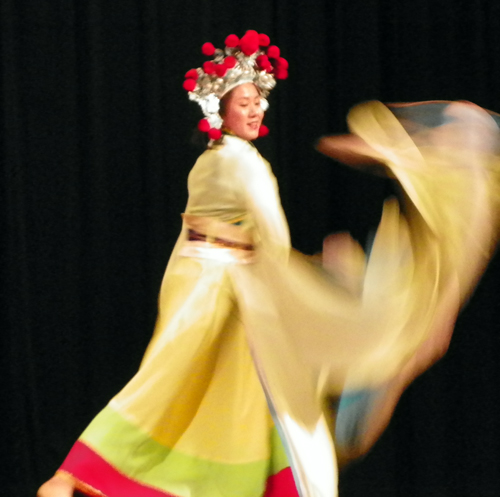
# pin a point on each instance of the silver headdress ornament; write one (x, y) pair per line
(250, 59)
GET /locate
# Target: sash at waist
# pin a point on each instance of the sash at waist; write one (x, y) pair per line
(194, 236)
(209, 238)
(213, 228)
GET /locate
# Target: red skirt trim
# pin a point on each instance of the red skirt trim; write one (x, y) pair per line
(95, 477)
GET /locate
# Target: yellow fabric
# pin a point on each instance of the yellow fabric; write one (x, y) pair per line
(386, 327)
(234, 182)
(197, 390)
(451, 176)
(422, 262)
(135, 454)
(195, 417)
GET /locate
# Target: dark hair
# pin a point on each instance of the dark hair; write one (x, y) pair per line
(199, 139)
(224, 101)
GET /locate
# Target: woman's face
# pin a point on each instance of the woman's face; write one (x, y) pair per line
(243, 114)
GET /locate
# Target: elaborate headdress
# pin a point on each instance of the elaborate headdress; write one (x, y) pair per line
(251, 59)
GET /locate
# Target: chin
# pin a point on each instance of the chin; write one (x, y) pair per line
(248, 135)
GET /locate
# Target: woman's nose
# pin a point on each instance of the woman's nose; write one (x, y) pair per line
(255, 109)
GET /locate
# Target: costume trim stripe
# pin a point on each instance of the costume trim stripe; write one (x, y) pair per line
(103, 460)
(281, 485)
(92, 472)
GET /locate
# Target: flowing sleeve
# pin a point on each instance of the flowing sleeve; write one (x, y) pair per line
(445, 157)
(429, 251)
(315, 339)
(260, 191)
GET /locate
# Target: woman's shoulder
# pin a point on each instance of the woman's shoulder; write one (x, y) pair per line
(233, 145)
(231, 150)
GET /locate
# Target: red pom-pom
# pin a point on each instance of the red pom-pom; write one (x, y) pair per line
(282, 63)
(214, 134)
(232, 41)
(281, 73)
(189, 84)
(220, 70)
(192, 74)
(273, 51)
(263, 61)
(204, 126)
(249, 47)
(270, 68)
(209, 67)
(264, 40)
(208, 49)
(263, 130)
(230, 61)
(249, 43)
(251, 36)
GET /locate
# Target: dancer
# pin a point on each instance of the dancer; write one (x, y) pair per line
(253, 339)
(194, 420)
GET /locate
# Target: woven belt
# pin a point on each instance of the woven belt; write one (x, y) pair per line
(200, 237)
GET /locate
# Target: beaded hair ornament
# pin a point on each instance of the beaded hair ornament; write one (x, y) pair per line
(251, 59)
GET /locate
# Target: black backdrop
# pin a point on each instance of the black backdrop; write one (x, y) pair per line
(95, 151)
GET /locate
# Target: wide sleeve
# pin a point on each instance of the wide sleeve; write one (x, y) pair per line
(260, 192)
(366, 343)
